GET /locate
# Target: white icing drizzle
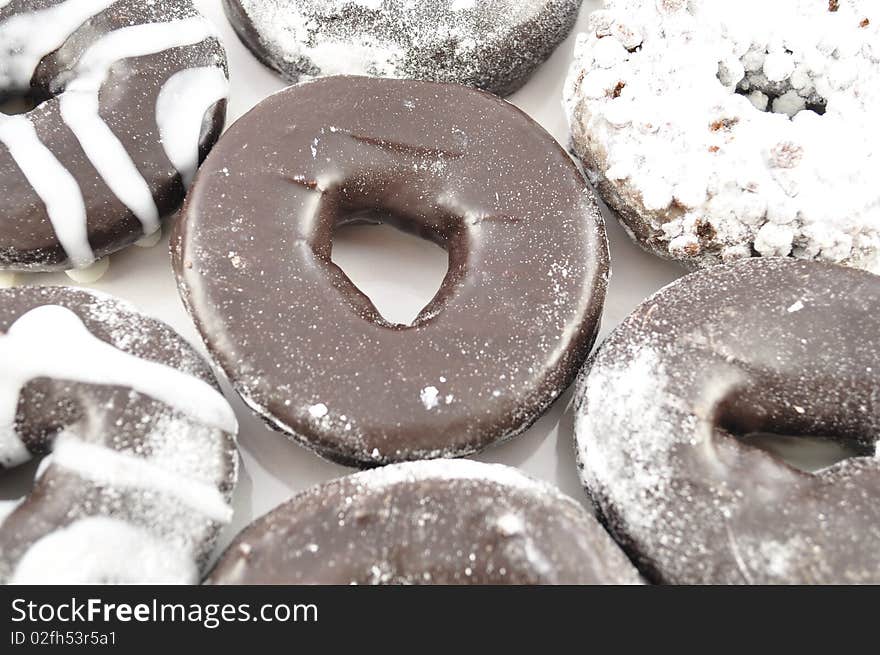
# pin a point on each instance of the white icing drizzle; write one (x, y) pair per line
(180, 110)
(105, 550)
(124, 471)
(52, 342)
(30, 36)
(80, 105)
(53, 183)
(109, 157)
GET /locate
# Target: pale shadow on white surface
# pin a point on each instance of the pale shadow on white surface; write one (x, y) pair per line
(399, 272)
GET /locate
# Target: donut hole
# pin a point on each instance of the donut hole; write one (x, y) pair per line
(19, 103)
(805, 441)
(789, 96)
(397, 266)
(19, 481)
(806, 453)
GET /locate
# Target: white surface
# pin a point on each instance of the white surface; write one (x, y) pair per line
(400, 273)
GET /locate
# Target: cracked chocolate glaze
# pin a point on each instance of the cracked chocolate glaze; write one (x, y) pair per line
(132, 96)
(763, 346)
(513, 321)
(440, 522)
(495, 45)
(139, 444)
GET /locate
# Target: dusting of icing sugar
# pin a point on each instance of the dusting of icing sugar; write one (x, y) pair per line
(100, 550)
(122, 470)
(137, 460)
(31, 348)
(430, 397)
(657, 413)
(318, 411)
(448, 40)
(717, 135)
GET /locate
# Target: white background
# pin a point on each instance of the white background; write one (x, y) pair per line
(400, 273)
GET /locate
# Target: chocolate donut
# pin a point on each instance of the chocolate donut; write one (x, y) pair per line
(132, 94)
(724, 130)
(142, 459)
(513, 321)
(493, 45)
(776, 346)
(441, 522)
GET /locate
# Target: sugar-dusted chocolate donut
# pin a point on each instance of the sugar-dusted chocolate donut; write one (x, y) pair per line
(513, 321)
(133, 95)
(494, 45)
(439, 522)
(777, 346)
(723, 130)
(142, 459)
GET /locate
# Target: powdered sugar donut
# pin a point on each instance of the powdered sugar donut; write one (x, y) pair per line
(722, 130)
(439, 522)
(494, 45)
(774, 346)
(134, 95)
(142, 459)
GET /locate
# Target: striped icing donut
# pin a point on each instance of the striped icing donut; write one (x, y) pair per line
(142, 459)
(132, 94)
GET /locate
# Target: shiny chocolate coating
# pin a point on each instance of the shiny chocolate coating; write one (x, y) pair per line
(773, 346)
(505, 335)
(441, 522)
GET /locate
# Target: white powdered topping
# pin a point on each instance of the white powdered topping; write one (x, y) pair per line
(430, 397)
(52, 342)
(384, 37)
(180, 110)
(631, 477)
(53, 183)
(457, 469)
(107, 551)
(736, 127)
(26, 38)
(290, 28)
(123, 471)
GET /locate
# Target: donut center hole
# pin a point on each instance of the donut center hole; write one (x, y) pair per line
(19, 103)
(775, 83)
(806, 453)
(17, 483)
(398, 270)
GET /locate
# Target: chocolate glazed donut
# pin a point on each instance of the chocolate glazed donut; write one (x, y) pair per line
(764, 346)
(134, 94)
(441, 522)
(514, 319)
